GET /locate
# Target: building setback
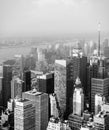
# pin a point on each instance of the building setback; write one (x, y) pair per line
(40, 100)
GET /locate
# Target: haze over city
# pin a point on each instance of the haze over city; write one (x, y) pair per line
(52, 17)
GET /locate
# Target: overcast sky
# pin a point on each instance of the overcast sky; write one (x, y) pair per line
(35, 17)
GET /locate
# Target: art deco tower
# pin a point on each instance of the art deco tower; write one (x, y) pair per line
(78, 98)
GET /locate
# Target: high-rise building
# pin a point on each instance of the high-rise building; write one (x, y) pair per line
(76, 119)
(101, 121)
(98, 103)
(53, 106)
(19, 62)
(66, 72)
(7, 77)
(1, 91)
(98, 68)
(46, 83)
(16, 87)
(40, 100)
(24, 115)
(78, 98)
(100, 86)
(60, 84)
(27, 81)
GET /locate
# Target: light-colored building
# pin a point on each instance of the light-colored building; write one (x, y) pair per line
(24, 115)
(78, 98)
(53, 106)
(98, 103)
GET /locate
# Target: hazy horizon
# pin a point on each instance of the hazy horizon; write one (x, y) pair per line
(52, 17)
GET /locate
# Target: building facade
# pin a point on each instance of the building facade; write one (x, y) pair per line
(40, 100)
(100, 86)
(24, 115)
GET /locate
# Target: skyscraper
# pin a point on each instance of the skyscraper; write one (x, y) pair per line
(53, 106)
(40, 100)
(75, 119)
(16, 87)
(60, 84)
(78, 98)
(98, 103)
(7, 77)
(27, 81)
(66, 72)
(46, 83)
(24, 117)
(1, 91)
(100, 86)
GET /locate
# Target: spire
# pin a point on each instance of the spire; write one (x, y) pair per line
(99, 29)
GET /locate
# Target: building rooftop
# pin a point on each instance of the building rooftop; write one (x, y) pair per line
(34, 92)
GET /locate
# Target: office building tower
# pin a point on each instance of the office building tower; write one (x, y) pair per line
(77, 67)
(27, 81)
(78, 98)
(100, 86)
(98, 103)
(1, 91)
(98, 68)
(19, 63)
(75, 119)
(101, 121)
(60, 84)
(16, 87)
(46, 83)
(53, 106)
(66, 72)
(102, 69)
(89, 76)
(40, 101)
(7, 77)
(24, 115)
